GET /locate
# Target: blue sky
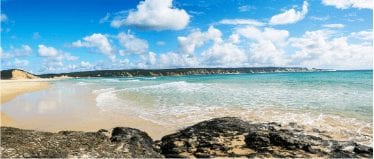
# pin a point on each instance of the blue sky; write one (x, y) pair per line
(43, 36)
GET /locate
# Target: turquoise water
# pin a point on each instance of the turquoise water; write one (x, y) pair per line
(343, 93)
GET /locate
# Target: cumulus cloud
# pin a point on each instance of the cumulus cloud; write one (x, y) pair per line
(241, 22)
(334, 26)
(267, 46)
(175, 60)
(53, 59)
(345, 4)
(97, 41)
(363, 35)
(154, 15)
(132, 44)
(321, 49)
(265, 53)
(24, 50)
(195, 39)
(274, 35)
(290, 16)
(46, 51)
(86, 65)
(224, 54)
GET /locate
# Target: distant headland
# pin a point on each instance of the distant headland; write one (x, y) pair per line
(21, 74)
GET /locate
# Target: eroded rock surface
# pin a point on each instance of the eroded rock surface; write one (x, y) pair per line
(232, 137)
(219, 137)
(123, 142)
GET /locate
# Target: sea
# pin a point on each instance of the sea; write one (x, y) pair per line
(337, 102)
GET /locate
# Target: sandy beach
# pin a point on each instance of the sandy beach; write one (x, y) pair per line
(11, 88)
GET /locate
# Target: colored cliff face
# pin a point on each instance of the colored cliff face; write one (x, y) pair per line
(15, 74)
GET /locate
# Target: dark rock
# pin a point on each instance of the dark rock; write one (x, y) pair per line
(217, 137)
(129, 143)
(363, 149)
(232, 137)
(220, 137)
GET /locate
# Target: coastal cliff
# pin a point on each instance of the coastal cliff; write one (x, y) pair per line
(219, 137)
(16, 74)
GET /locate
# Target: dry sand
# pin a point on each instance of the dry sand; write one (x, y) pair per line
(9, 89)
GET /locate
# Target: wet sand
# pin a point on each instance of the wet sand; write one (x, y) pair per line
(9, 89)
(68, 107)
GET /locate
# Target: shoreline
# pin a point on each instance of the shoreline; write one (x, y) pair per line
(10, 89)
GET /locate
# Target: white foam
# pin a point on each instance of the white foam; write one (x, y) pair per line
(103, 90)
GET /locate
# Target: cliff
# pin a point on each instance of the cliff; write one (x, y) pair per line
(16, 74)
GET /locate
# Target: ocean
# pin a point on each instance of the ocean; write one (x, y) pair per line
(338, 102)
(342, 93)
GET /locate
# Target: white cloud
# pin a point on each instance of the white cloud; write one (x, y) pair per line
(245, 8)
(320, 18)
(267, 46)
(345, 4)
(189, 43)
(334, 26)
(86, 65)
(152, 58)
(3, 17)
(265, 53)
(46, 51)
(18, 63)
(274, 35)
(290, 16)
(53, 59)
(224, 54)
(363, 35)
(105, 19)
(132, 44)
(241, 22)
(98, 41)
(154, 15)
(24, 50)
(322, 50)
(175, 60)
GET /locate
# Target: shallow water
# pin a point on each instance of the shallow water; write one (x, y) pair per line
(339, 102)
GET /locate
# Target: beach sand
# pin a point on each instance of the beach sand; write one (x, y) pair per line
(9, 89)
(64, 107)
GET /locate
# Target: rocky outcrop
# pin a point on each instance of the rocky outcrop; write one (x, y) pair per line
(16, 74)
(232, 137)
(220, 137)
(122, 142)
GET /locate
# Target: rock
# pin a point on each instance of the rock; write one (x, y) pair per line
(232, 137)
(219, 137)
(124, 142)
(212, 138)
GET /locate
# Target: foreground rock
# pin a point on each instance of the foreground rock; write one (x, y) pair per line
(123, 142)
(220, 137)
(232, 137)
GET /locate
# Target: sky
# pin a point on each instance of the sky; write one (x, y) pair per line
(44, 36)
